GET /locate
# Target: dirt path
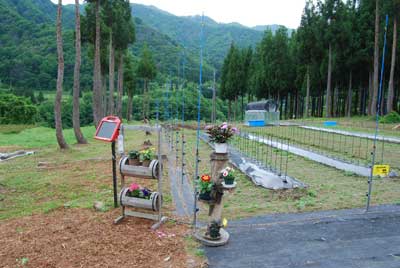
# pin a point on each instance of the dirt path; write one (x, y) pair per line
(85, 238)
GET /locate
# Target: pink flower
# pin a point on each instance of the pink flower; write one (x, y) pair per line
(225, 173)
(134, 187)
(224, 126)
(235, 130)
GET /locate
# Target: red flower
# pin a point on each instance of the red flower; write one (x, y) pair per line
(205, 178)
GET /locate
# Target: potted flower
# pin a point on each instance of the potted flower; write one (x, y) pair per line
(205, 185)
(135, 190)
(213, 228)
(146, 155)
(228, 174)
(220, 135)
(140, 197)
(133, 158)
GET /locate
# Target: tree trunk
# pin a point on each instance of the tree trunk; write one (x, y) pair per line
(235, 109)
(229, 110)
(376, 62)
(349, 95)
(144, 99)
(97, 102)
(307, 114)
(111, 78)
(120, 84)
(336, 106)
(76, 110)
(130, 100)
(328, 87)
(370, 93)
(103, 95)
(390, 98)
(60, 77)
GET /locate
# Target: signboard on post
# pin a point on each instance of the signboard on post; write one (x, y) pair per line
(108, 129)
(381, 170)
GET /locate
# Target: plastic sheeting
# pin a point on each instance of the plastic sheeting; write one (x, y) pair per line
(8, 156)
(259, 176)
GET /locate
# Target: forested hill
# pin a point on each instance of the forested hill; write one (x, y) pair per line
(28, 57)
(186, 31)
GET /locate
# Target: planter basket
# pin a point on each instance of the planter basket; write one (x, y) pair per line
(150, 172)
(134, 162)
(136, 202)
(205, 196)
(221, 148)
(229, 181)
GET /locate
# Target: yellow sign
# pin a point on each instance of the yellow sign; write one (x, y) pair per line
(381, 170)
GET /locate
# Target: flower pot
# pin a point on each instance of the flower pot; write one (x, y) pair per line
(221, 148)
(214, 233)
(146, 163)
(205, 196)
(134, 162)
(229, 181)
(151, 204)
(139, 171)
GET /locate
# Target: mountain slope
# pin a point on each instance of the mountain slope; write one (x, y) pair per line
(186, 31)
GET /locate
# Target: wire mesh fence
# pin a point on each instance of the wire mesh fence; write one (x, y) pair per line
(353, 149)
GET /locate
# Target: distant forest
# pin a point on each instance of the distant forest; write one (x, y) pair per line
(330, 66)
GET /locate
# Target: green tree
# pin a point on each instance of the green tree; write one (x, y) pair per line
(146, 70)
(130, 82)
(97, 92)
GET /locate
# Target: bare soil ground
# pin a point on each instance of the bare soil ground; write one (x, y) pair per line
(85, 238)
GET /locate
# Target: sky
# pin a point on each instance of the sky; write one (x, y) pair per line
(247, 12)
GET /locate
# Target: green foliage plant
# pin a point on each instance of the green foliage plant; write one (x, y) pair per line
(147, 154)
(391, 118)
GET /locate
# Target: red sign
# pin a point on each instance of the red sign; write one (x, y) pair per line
(108, 129)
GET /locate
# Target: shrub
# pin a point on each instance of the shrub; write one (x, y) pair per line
(390, 118)
(16, 110)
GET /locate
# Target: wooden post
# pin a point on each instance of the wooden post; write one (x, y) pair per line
(218, 162)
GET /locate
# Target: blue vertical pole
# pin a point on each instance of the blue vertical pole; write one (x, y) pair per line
(183, 119)
(378, 110)
(196, 178)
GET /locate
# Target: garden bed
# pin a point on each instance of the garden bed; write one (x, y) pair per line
(85, 238)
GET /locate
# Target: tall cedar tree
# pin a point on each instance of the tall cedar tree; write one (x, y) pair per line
(76, 110)
(60, 78)
(97, 93)
(146, 70)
